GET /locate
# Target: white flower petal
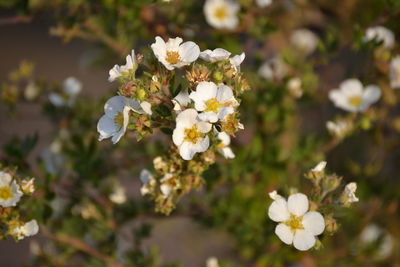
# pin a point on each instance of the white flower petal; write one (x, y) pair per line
(146, 106)
(284, 233)
(187, 151)
(278, 211)
(298, 204)
(224, 94)
(189, 52)
(106, 127)
(303, 240)
(313, 222)
(351, 87)
(371, 94)
(178, 136)
(72, 86)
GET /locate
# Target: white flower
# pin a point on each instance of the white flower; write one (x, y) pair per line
(263, 3)
(181, 100)
(212, 262)
(373, 233)
(31, 91)
(222, 14)
(350, 192)
(28, 186)
(28, 229)
(52, 158)
(274, 195)
(70, 89)
(339, 128)
(169, 183)
(395, 72)
(10, 192)
(148, 181)
(118, 71)
(223, 146)
(294, 87)
(118, 195)
(274, 68)
(190, 134)
(304, 40)
(173, 54)
(296, 225)
(236, 61)
(353, 97)
(380, 34)
(115, 121)
(217, 54)
(214, 102)
(320, 167)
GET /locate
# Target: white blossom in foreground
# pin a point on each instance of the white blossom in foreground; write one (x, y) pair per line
(353, 97)
(115, 121)
(118, 71)
(71, 87)
(214, 101)
(304, 40)
(223, 146)
(340, 128)
(222, 14)
(181, 100)
(296, 225)
(148, 181)
(173, 54)
(217, 54)
(273, 69)
(190, 134)
(263, 3)
(10, 192)
(118, 195)
(28, 229)
(236, 61)
(380, 34)
(349, 193)
(395, 72)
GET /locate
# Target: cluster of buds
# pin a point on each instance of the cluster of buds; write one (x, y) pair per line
(190, 94)
(12, 189)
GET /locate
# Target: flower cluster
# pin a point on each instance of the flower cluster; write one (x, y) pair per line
(12, 189)
(190, 94)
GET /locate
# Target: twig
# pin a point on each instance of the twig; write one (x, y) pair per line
(15, 20)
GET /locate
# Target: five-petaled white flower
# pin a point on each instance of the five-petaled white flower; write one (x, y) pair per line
(217, 54)
(304, 40)
(173, 54)
(148, 181)
(223, 146)
(296, 225)
(71, 87)
(214, 101)
(10, 192)
(222, 14)
(353, 97)
(118, 71)
(28, 229)
(116, 118)
(190, 134)
(380, 34)
(395, 72)
(263, 3)
(350, 192)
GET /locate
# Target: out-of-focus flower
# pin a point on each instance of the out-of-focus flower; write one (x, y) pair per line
(372, 233)
(31, 91)
(28, 229)
(380, 34)
(273, 69)
(222, 14)
(263, 3)
(304, 40)
(129, 67)
(28, 186)
(71, 87)
(395, 72)
(294, 87)
(214, 101)
(340, 128)
(353, 97)
(52, 158)
(148, 181)
(349, 194)
(236, 61)
(10, 192)
(173, 54)
(274, 195)
(115, 121)
(118, 195)
(190, 134)
(223, 146)
(296, 225)
(212, 262)
(217, 54)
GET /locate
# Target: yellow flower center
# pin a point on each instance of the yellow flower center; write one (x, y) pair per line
(213, 105)
(119, 119)
(192, 134)
(5, 192)
(173, 57)
(220, 13)
(295, 222)
(355, 101)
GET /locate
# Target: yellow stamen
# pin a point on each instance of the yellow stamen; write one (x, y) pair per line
(220, 13)
(213, 105)
(295, 222)
(5, 192)
(355, 101)
(192, 134)
(173, 57)
(119, 119)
